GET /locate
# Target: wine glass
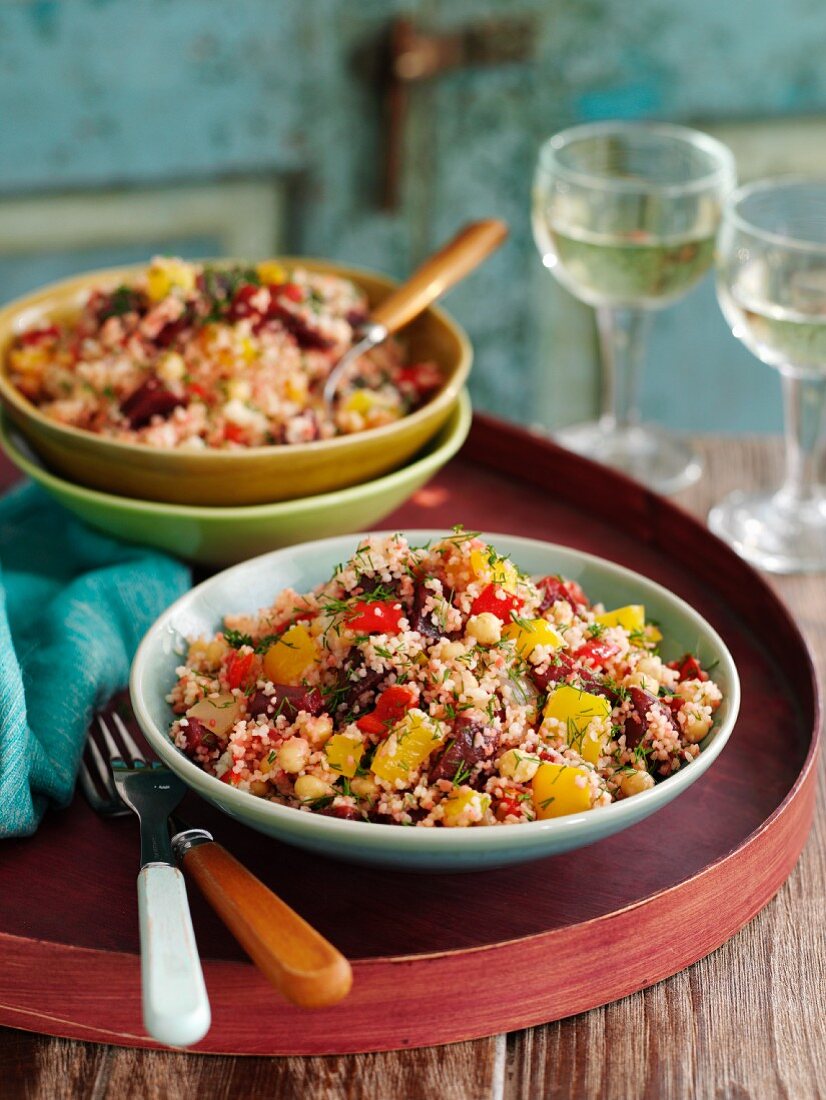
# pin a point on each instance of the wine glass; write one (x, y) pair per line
(771, 282)
(625, 216)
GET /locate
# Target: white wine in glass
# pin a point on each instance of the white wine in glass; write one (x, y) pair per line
(771, 282)
(625, 216)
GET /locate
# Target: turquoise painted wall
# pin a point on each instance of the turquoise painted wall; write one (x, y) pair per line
(96, 92)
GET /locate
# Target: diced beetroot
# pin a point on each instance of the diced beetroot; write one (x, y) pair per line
(175, 329)
(472, 743)
(347, 813)
(355, 318)
(305, 336)
(636, 723)
(149, 400)
(287, 700)
(195, 732)
(355, 691)
(554, 589)
(242, 304)
(559, 669)
(419, 619)
(562, 669)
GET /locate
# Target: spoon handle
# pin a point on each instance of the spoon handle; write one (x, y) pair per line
(466, 251)
(296, 959)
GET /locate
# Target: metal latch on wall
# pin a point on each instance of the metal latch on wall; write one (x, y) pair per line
(413, 56)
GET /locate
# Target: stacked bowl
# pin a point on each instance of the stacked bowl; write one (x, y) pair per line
(219, 506)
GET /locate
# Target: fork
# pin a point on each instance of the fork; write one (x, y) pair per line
(304, 966)
(175, 1004)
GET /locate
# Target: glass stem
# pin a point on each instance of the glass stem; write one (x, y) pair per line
(804, 404)
(622, 336)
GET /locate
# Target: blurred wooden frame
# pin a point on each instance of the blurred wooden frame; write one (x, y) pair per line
(245, 215)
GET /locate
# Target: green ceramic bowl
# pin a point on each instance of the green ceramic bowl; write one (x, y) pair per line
(221, 536)
(244, 475)
(254, 584)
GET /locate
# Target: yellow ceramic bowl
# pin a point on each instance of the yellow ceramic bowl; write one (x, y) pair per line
(256, 475)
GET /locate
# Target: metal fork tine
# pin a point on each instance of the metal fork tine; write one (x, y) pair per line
(129, 741)
(111, 746)
(90, 790)
(103, 769)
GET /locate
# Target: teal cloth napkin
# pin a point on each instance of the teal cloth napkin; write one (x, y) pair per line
(74, 605)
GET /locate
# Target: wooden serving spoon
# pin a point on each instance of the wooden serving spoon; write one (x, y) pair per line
(444, 269)
(296, 959)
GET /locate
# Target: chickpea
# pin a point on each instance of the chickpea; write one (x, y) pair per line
(171, 368)
(365, 786)
(449, 651)
(644, 681)
(520, 766)
(635, 783)
(259, 787)
(293, 755)
(696, 725)
(309, 787)
(485, 628)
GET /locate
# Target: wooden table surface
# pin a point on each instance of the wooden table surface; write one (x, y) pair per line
(747, 1022)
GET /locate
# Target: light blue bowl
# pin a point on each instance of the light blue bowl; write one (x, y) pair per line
(255, 583)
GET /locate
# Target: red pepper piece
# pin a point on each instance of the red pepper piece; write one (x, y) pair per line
(495, 600)
(238, 668)
(38, 336)
(391, 706)
(689, 668)
(423, 377)
(291, 291)
(234, 433)
(508, 804)
(375, 617)
(596, 652)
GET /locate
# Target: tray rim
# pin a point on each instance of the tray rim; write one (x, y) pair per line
(794, 811)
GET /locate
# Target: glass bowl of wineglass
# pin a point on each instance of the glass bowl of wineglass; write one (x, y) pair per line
(771, 282)
(625, 216)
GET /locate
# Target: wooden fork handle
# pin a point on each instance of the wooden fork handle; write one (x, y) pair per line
(298, 961)
(458, 258)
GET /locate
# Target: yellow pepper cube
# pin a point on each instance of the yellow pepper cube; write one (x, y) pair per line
(271, 272)
(575, 709)
(410, 743)
(630, 618)
(465, 807)
(560, 789)
(529, 633)
(344, 752)
(166, 274)
(286, 661)
(361, 402)
(501, 571)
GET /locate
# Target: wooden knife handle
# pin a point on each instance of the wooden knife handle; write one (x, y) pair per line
(460, 256)
(298, 961)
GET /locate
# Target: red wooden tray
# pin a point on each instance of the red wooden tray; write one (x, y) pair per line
(447, 957)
